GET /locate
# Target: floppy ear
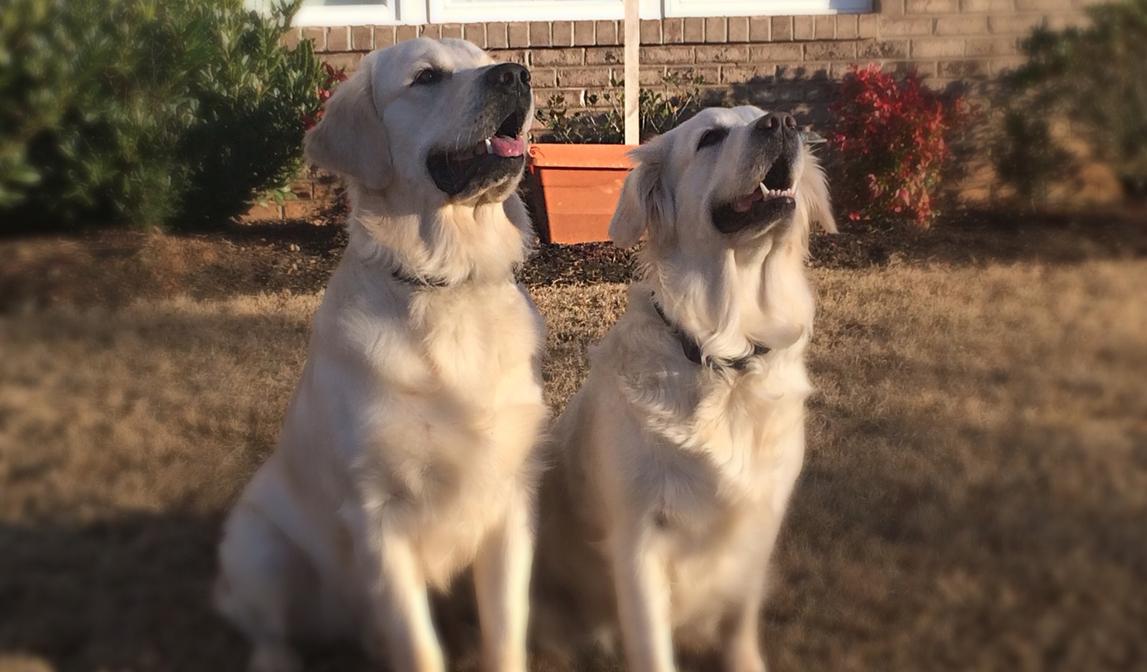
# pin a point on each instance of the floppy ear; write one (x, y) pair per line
(351, 139)
(814, 196)
(643, 205)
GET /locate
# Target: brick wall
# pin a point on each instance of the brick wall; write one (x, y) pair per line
(779, 62)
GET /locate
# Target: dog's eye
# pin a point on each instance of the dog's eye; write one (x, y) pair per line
(712, 136)
(427, 77)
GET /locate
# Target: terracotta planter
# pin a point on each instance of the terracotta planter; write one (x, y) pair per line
(579, 186)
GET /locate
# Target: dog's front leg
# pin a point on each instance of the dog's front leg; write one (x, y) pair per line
(642, 587)
(400, 608)
(502, 586)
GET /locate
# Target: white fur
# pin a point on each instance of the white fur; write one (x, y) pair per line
(672, 479)
(408, 450)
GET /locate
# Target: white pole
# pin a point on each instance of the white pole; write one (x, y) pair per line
(632, 72)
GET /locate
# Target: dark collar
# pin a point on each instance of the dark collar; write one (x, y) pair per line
(693, 351)
(417, 282)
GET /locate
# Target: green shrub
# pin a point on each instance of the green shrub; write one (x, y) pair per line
(147, 112)
(1094, 79)
(658, 111)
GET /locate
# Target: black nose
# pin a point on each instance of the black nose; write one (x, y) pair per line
(509, 77)
(773, 122)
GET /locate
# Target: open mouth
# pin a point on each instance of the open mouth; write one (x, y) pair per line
(773, 199)
(492, 159)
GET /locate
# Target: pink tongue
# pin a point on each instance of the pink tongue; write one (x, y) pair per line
(743, 203)
(504, 146)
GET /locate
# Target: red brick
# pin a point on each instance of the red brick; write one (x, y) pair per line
(991, 46)
(583, 34)
(672, 31)
(962, 69)
(433, 31)
(539, 33)
(782, 28)
(453, 30)
(517, 34)
(708, 73)
(901, 27)
(519, 56)
(932, 6)
(777, 52)
(496, 35)
(739, 29)
(543, 77)
(716, 29)
(803, 28)
(476, 33)
(868, 25)
(824, 27)
(605, 56)
(1015, 23)
(362, 38)
(846, 27)
(883, 49)
(1001, 65)
(570, 56)
(962, 25)
(562, 33)
(1002, 6)
(338, 38)
(760, 29)
(570, 77)
(290, 38)
(650, 32)
(318, 36)
(383, 36)
(694, 30)
(1042, 5)
(665, 55)
(937, 48)
(402, 34)
(348, 60)
(568, 97)
(829, 51)
(606, 33)
(723, 54)
(744, 73)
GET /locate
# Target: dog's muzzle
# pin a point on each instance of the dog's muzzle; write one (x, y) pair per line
(498, 153)
(776, 144)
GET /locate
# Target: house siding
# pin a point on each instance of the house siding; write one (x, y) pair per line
(779, 62)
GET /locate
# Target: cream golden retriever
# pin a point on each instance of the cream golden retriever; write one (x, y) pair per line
(408, 452)
(676, 459)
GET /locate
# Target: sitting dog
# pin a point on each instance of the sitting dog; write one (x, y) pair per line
(676, 459)
(408, 452)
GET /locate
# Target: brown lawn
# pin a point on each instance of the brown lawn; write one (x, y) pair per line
(975, 495)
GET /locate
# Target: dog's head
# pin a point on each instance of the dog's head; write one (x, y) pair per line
(725, 178)
(437, 121)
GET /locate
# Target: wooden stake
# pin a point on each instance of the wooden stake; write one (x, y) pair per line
(632, 73)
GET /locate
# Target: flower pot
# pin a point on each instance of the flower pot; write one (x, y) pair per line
(579, 186)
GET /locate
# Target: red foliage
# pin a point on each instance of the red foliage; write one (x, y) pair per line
(331, 79)
(891, 141)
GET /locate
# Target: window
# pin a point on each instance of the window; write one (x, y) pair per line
(367, 12)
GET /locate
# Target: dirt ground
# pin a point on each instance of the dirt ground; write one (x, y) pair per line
(974, 498)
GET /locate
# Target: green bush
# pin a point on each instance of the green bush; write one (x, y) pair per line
(147, 112)
(1095, 80)
(658, 111)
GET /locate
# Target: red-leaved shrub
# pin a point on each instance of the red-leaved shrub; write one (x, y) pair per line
(890, 144)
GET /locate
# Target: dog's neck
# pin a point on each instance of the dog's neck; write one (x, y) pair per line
(446, 245)
(734, 301)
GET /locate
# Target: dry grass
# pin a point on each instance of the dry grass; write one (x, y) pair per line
(974, 496)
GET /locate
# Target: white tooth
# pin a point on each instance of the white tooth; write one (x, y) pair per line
(764, 191)
(489, 149)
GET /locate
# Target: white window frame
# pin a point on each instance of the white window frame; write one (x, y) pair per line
(467, 11)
